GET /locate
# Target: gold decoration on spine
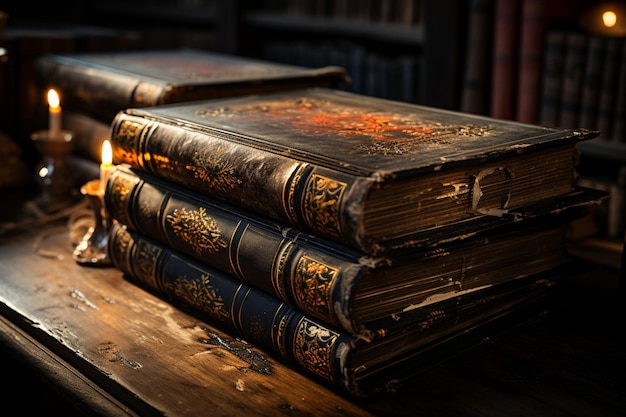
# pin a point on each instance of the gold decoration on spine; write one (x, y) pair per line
(200, 294)
(279, 265)
(200, 231)
(145, 211)
(312, 285)
(208, 166)
(144, 265)
(313, 347)
(255, 327)
(279, 332)
(289, 195)
(127, 138)
(322, 201)
(122, 186)
(123, 244)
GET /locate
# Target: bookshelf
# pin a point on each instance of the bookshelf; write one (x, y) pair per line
(403, 50)
(584, 84)
(399, 49)
(169, 24)
(410, 50)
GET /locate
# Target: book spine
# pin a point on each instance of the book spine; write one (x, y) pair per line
(504, 73)
(575, 54)
(618, 127)
(553, 70)
(608, 85)
(259, 318)
(97, 92)
(593, 82)
(269, 257)
(324, 201)
(532, 30)
(475, 84)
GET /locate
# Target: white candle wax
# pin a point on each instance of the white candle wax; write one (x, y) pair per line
(55, 114)
(106, 166)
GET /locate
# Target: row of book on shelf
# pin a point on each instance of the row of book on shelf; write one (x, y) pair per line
(360, 239)
(519, 67)
(584, 84)
(522, 65)
(398, 12)
(395, 77)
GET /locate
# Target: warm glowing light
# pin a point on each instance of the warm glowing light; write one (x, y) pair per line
(609, 18)
(605, 19)
(107, 165)
(107, 153)
(53, 99)
(54, 111)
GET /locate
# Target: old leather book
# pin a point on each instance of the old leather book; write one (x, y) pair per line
(101, 84)
(340, 359)
(332, 282)
(367, 172)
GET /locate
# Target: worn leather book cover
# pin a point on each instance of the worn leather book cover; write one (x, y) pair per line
(101, 84)
(343, 360)
(368, 172)
(361, 294)
(89, 134)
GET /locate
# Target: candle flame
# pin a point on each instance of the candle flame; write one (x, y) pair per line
(606, 18)
(609, 18)
(53, 99)
(107, 153)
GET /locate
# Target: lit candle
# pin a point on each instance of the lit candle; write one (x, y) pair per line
(54, 108)
(107, 164)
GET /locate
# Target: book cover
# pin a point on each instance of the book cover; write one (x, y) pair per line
(347, 362)
(102, 84)
(364, 171)
(362, 294)
(89, 134)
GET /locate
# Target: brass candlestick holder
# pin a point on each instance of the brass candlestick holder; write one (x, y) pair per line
(53, 174)
(93, 248)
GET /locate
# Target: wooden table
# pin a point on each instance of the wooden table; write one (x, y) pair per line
(113, 349)
(123, 351)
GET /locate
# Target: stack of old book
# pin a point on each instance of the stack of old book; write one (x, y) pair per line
(95, 86)
(360, 239)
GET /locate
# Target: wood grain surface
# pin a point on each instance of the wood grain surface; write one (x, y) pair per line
(141, 350)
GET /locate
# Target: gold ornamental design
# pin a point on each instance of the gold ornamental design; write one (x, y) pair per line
(280, 268)
(313, 347)
(322, 200)
(312, 285)
(144, 264)
(200, 294)
(127, 138)
(208, 166)
(196, 228)
(377, 131)
(122, 186)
